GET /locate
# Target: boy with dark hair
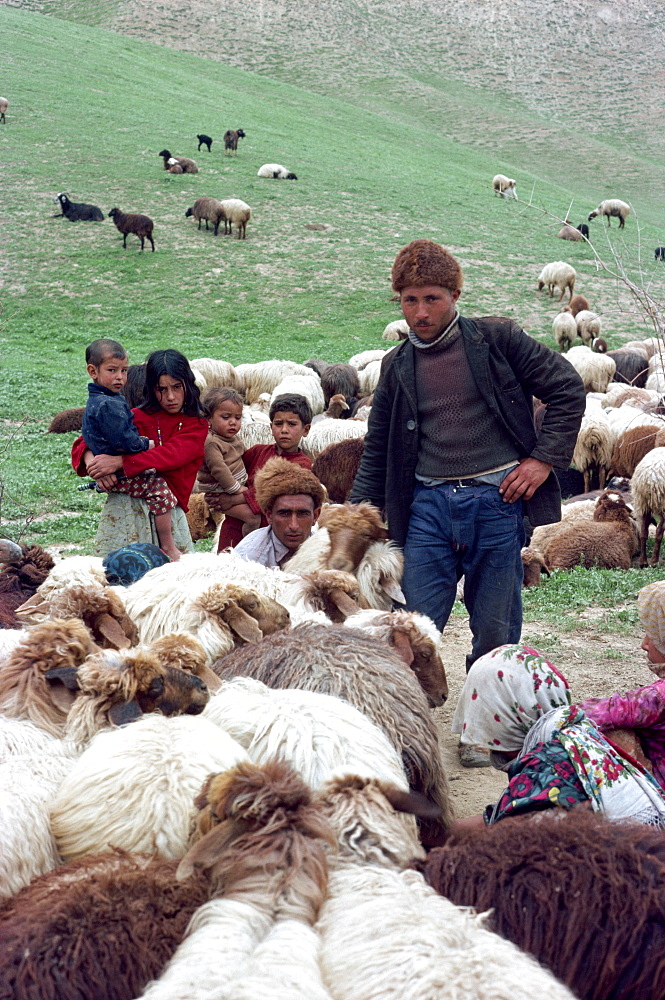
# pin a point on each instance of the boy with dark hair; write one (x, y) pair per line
(290, 420)
(109, 429)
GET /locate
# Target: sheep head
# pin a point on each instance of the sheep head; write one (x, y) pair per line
(247, 614)
(337, 405)
(534, 565)
(257, 825)
(420, 652)
(352, 529)
(335, 593)
(184, 652)
(101, 610)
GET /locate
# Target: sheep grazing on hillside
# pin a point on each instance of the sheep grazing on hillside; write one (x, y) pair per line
(534, 566)
(67, 420)
(337, 466)
(4, 104)
(558, 274)
(564, 330)
(630, 448)
(504, 186)
(569, 232)
(594, 445)
(188, 166)
(78, 211)
(131, 222)
(385, 933)
(231, 137)
(204, 140)
(24, 569)
(609, 541)
(236, 213)
(589, 325)
(595, 370)
(397, 330)
(276, 171)
(206, 210)
(73, 911)
(648, 491)
(348, 663)
(618, 871)
(612, 207)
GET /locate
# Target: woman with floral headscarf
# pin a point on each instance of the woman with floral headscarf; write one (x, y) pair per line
(515, 702)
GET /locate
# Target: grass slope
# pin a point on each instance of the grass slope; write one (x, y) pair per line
(91, 121)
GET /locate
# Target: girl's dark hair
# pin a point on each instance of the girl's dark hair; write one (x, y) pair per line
(173, 363)
(216, 396)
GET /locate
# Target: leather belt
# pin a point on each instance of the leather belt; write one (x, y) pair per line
(465, 482)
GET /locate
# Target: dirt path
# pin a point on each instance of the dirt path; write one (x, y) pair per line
(582, 656)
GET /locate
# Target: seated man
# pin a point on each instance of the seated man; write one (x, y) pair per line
(290, 497)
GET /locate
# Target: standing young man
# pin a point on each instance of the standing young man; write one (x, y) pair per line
(452, 454)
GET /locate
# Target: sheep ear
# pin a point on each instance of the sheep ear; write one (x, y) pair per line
(207, 850)
(125, 711)
(33, 604)
(411, 802)
(400, 641)
(392, 588)
(244, 626)
(343, 602)
(66, 675)
(112, 631)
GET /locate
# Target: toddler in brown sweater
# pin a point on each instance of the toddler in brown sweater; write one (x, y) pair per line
(223, 477)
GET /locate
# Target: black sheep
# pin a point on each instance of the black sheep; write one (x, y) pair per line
(659, 253)
(78, 211)
(584, 230)
(204, 140)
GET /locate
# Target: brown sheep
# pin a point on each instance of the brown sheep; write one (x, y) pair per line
(609, 541)
(533, 564)
(337, 466)
(343, 379)
(131, 222)
(188, 166)
(67, 420)
(231, 137)
(352, 529)
(630, 448)
(98, 928)
(23, 571)
(335, 593)
(570, 889)
(201, 520)
(338, 408)
(577, 304)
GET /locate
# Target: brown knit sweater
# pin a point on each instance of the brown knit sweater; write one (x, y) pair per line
(223, 470)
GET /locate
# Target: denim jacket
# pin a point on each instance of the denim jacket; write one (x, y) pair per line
(108, 424)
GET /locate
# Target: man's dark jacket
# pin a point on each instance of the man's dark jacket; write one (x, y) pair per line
(509, 368)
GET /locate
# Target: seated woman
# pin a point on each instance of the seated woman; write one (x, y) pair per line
(171, 415)
(518, 704)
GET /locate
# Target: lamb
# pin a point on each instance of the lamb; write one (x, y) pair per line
(533, 566)
(386, 934)
(558, 274)
(338, 409)
(594, 445)
(134, 787)
(589, 325)
(416, 639)
(188, 166)
(612, 207)
(132, 222)
(276, 171)
(584, 230)
(619, 874)
(67, 420)
(326, 431)
(352, 538)
(23, 571)
(336, 660)
(342, 379)
(504, 186)
(564, 330)
(207, 210)
(302, 385)
(577, 304)
(595, 370)
(337, 466)
(238, 213)
(647, 487)
(397, 330)
(173, 167)
(609, 541)
(569, 232)
(78, 211)
(231, 137)
(71, 913)
(4, 104)
(263, 843)
(204, 140)
(631, 367)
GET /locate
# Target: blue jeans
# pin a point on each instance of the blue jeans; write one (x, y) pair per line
(466, 531)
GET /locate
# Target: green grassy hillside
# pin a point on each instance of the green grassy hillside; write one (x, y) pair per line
(89, 112)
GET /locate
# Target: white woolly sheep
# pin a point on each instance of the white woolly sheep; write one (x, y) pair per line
(397, 330)
(188, 166)
(217, 374)
(612, 207)
(558, 274)
(623, 418)
(265, 375)
(308, 386)
(255, 432)
(361, 360)
(504, 186)
(646, 400)
(369, 377)
(639, 345)
(276, 171)
(4, 104)
(238, 213)
(207, 210)
(327, 431)
(134, 787)
(594, 445)
(648, 493)
(589, 325)
(564, 330)
(595, 370)
(386, 934)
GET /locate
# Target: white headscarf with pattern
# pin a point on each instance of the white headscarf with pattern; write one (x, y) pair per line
(651, 607)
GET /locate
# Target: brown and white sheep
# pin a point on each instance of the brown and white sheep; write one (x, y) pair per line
(533, 565)
(504, 186)
(630, 448)
(612, 207)
(188, 166)
(131, 222)
(609, 541)
(99, 608)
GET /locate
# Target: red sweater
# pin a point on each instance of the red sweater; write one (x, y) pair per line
(255, 458)
(177, 454)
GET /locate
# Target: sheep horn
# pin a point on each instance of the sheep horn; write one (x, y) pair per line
(111, 630)
(344, 603)
(402, 645)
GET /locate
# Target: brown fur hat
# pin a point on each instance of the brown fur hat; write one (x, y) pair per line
(424, 262)
(278, 477)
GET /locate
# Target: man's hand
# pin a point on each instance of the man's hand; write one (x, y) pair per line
(103, 465)
(524, 480)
